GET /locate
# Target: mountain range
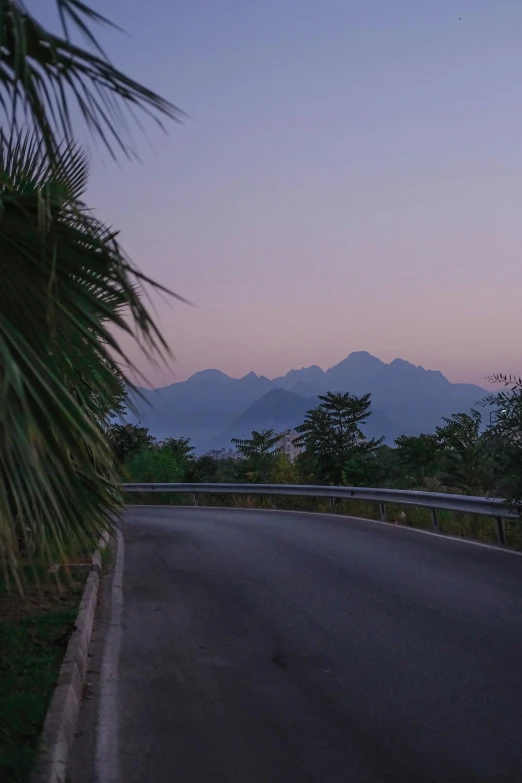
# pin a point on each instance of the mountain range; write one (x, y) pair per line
(210, 407)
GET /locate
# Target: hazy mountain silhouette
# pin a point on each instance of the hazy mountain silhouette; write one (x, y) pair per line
(281, 410)
(307, 376)
(199, 407)
(410, 398)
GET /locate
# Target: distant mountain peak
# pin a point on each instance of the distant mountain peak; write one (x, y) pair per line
(358, 364)
(208, 404)
(403, 365)
(208, 375)
(306, 376)
(362, 357)
(312, 368)
(313, 371)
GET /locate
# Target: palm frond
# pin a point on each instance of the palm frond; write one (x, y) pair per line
(261, 443)
(25, 169)
(66, 284)
(40, 73)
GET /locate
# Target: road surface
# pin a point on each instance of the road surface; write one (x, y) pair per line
(271, 647)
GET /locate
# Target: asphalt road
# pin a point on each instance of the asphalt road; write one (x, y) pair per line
(262, 647)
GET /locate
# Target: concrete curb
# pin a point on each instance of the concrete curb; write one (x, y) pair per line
(106, 755)
(60, 722)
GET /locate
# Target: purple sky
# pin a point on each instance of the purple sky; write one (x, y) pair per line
(350, 179)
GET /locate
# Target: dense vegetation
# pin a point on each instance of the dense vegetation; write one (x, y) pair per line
(476, 453)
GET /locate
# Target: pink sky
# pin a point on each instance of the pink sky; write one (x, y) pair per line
(351, 179)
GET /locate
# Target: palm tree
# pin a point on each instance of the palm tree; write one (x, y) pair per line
(259, 444)
(66, 283)
(332, 433)
(463, 445)
(259, 452)
(418, 456)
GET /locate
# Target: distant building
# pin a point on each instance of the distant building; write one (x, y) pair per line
(221, 454)
(289, 446)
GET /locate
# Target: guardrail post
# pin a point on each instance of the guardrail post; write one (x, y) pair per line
(500, 531)
(435, 520)
(195, 498)
(332, 505)
(382, 510)
(273, 501)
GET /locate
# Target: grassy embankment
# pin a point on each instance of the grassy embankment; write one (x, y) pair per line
(34, 631)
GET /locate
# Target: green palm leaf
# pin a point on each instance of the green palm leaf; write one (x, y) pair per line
(66, 284)
(260, 443)
(40, 73)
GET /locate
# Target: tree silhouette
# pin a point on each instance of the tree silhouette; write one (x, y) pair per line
(332, 433)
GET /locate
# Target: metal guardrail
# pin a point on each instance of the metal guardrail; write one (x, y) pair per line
(465, 504)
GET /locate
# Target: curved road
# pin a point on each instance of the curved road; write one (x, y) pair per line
(262, 647)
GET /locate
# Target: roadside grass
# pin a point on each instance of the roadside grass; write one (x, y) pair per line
(34, 631)
(107, 557)
(470, 526)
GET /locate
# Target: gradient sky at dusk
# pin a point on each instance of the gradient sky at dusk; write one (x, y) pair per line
(349, 179)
